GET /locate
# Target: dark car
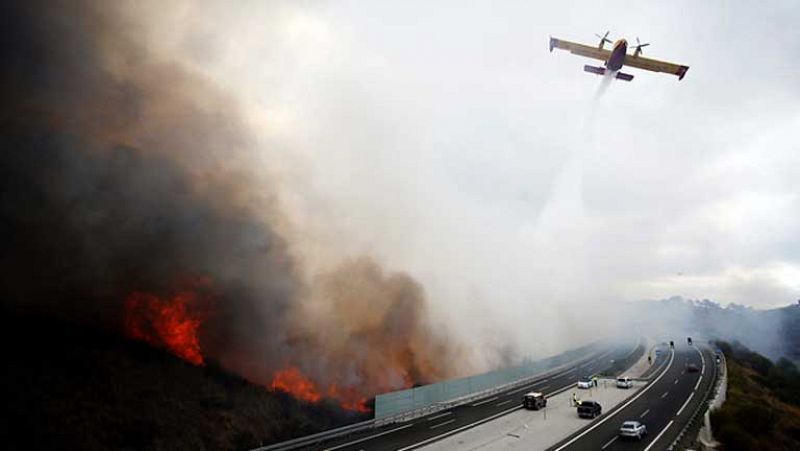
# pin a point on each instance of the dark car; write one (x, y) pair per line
(589, 409)
(692, 368)
(534, 401)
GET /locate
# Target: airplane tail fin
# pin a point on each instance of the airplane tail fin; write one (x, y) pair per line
(626, 77)
(594, 69)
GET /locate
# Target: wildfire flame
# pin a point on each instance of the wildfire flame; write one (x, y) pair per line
(293, 381)
(165, 323)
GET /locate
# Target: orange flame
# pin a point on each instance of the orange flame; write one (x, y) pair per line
(293, 381)
(165, 323)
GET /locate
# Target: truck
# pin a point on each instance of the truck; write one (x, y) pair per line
(534, 401)
(589, 409)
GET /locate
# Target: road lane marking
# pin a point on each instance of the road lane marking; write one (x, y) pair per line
(457, 430)
(665, 394)
(503, 403)
(644, 413)
(658, 436)
(492, 417)
(684, 405)
(621, 408)
(676, 381)
(441, 415)
(343, 445)
(444, 423)
(610, 442)
(493, 398)
(697, 384)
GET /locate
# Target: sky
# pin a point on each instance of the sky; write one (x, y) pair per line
(445, 140)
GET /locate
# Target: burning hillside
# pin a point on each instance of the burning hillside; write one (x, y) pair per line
(122, 172)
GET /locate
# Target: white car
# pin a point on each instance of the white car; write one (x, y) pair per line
(585, 382)
(624, 382)
(633, 429)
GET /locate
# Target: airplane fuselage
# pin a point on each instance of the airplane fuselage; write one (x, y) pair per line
(617, 57)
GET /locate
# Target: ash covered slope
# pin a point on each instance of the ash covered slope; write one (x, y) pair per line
(71, 387)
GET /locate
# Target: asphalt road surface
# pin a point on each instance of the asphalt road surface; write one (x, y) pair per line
(424, 430)
(664, 406)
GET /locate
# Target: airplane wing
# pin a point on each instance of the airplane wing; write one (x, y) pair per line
(641, 62)
(580, 49)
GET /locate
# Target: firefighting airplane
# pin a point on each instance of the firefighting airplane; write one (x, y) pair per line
(618, 57)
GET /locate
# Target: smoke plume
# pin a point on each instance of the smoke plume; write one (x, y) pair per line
(132, 200)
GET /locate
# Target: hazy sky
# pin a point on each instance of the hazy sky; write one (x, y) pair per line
(445, 139)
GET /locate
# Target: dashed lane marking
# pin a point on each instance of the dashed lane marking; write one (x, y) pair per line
(610, 442)
(343, 445)
(444, 423)
(493, 398)
(644, 413)
(441, 415)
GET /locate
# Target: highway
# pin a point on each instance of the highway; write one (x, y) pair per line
(664, 406)
(424, 430)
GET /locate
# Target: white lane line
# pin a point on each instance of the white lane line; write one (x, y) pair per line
(503, 403)
(343, 445)
(456, 431)
(644, 413)
(697, 384)
(544, 388)
(665, 394)
(676, 381)
(493, 398)
(497, 415)
(441, 415)
(658, 436)
(684, 405)
(610, 442)
(444, 423)
(621, 408)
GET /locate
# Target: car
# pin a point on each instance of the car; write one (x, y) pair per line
(624, 382)
(589, 409)
(692, 368)
(585, 382)
(633, 429)
(534, 400)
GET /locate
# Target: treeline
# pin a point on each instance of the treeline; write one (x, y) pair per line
(762, 410)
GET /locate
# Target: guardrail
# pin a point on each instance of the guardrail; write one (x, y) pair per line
(318, 438)
(699, 417)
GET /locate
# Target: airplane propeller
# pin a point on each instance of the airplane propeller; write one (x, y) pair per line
(639, 46)
(604, 38)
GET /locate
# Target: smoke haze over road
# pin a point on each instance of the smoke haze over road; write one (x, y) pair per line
(381, 197)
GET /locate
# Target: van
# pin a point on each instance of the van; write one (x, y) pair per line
(624, 382)
(534, 401)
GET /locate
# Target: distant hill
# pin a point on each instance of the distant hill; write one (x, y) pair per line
(762, 410)
(67, 387)
(774, 333)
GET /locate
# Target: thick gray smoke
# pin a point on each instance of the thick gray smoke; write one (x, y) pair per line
(123, 173)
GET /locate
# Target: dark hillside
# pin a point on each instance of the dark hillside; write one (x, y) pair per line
(762, 410)
(67, 387)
